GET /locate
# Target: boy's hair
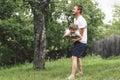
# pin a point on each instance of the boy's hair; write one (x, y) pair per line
(73, 26)
(80, 7)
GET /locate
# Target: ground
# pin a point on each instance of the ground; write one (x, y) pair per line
(94, 68)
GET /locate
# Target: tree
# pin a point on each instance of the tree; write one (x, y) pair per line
(16, 30)
(113, 28)
(116, 19)
(38, 7)
(16, 33)
(116, 13)
(55, 29)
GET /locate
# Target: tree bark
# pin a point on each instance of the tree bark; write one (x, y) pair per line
(39, 32)
(40, 41)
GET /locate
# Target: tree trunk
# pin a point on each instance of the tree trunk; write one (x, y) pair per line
(40, 41)
(38, 8)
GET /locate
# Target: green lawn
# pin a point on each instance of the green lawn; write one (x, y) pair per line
(95, 68)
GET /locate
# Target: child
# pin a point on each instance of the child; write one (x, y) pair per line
(72, 32)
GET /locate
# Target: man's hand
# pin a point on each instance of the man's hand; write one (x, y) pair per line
(74, 40)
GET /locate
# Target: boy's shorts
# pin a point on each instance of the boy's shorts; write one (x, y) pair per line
(78, 49)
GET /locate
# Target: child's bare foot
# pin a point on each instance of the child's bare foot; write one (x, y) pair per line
(71, 77)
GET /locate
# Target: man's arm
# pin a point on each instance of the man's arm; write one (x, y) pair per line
(81, 30)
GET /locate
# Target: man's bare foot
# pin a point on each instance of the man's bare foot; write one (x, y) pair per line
(79, 73)
(71, 77)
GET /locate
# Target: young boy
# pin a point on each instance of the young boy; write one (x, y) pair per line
(72, 32)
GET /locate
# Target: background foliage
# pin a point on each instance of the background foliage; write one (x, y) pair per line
(16, 33)
(16, 27)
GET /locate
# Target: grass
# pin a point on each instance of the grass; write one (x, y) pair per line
(95, 68)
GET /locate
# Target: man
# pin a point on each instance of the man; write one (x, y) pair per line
(79, 45)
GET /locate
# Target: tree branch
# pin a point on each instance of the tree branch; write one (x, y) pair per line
(43, 5)
(31, 2)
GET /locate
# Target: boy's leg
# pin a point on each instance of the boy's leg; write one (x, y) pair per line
(74, 66)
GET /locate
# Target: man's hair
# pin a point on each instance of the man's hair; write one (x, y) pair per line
(80, 7)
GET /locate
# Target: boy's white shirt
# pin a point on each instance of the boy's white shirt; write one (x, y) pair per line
(81, 23)
(67, 32)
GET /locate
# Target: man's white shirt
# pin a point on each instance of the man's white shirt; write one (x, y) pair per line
(81, 23)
